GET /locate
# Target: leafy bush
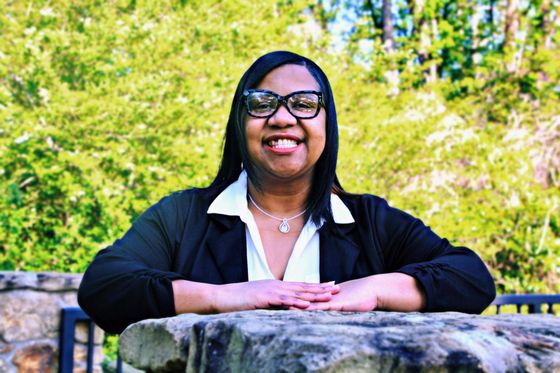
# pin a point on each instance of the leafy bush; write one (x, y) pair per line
(107, 107)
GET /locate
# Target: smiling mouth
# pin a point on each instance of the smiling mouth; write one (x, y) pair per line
(282, 144)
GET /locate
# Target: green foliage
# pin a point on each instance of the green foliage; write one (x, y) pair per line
(110, 348)
(471, 180)
(105, 107)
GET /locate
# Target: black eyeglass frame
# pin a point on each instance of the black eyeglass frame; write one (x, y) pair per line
(282, 100)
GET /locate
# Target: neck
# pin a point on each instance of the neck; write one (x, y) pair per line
(280, 198)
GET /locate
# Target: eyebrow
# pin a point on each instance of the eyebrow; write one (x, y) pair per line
(247, 91)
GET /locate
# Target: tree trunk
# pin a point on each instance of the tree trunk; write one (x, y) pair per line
(550, 25)
(419, 20)
(510, 33)
(388, 30)
(433, 74)
(392, 74)
(474, 52)
(423, 35)
(511, 23)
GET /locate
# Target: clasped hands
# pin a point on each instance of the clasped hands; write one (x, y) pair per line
(353, 295)
(388, 291)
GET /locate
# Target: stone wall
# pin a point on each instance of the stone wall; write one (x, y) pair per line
(275, 341)
(30, 307)
(296, 341)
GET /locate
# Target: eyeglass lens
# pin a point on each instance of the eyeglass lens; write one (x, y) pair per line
(301, 105)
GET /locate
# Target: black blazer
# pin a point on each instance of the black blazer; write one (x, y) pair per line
(176, 239)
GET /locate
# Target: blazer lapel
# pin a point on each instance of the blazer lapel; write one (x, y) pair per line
(338, 254)
(228, 248)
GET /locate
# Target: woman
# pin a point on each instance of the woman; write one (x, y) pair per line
(276, 230)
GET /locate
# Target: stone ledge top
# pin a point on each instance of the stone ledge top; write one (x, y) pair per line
(271, 341)
(43, 281)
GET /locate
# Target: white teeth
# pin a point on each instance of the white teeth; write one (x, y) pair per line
(282, 144)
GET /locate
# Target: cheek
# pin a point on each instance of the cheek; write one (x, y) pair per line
(253, 128)
(322, 145)
(321, 137)
(252, 136)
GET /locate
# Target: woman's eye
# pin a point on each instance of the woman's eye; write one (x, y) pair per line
(262, 104)
(304, 104)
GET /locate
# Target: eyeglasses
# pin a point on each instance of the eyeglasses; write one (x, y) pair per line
(262, 103)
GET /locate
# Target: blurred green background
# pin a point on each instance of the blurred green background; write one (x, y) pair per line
(447, 108)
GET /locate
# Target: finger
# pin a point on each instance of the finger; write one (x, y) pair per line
(304, 286)
(327, 306)
(331, 285)
(314, 297)
(298, 308)
(314, 288)
(289, 301)
(313, 307)
(320, 306)
(335, 289)
(308, 285)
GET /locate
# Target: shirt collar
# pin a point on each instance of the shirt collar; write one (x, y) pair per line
(341, 213)
(233, 202)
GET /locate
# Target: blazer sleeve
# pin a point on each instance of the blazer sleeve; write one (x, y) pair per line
(131, 280)
(453, 278)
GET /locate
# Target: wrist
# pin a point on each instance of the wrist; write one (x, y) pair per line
(215, 296)
(376, 284)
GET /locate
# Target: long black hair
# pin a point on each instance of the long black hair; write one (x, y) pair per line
(235, 156)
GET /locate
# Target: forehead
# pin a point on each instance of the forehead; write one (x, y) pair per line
(286, 79)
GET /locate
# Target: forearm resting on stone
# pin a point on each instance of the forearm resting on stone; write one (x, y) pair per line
(398, 292)
(193, 297)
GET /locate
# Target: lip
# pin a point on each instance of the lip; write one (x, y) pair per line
(280, 136)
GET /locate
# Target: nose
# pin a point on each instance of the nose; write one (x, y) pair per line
(282, 117)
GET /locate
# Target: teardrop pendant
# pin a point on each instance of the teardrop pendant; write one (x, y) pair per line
(284, 227)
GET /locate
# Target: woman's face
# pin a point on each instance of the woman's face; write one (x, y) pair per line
(282, 146)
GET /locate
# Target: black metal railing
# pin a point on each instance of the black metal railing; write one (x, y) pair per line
(534, 302)
(70, 316)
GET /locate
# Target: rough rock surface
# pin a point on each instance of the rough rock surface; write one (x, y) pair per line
(47, 281)
(295, 341)
(30, 309)
(37, 357)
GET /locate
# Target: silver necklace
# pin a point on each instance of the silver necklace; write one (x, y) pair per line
(284, 227)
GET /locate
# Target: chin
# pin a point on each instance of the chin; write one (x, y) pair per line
(289, 173)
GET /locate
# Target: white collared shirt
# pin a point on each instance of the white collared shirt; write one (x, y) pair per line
(303, 264)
